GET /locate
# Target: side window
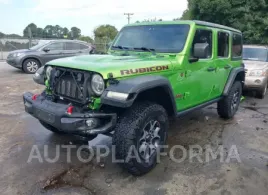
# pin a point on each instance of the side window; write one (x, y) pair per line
(82, 46)
(237, 46)
(203, 36)
(223, 44)
(55, 46)
(72, 46)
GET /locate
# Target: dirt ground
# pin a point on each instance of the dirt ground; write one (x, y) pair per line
(247, 133)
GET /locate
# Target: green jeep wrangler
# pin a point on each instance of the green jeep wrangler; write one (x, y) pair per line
(153, 71)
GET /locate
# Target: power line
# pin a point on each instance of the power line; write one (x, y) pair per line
(128, 16)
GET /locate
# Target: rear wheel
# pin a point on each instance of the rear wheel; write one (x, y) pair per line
(262, 92)
(30, 66)
(139, 134)
(228, 106)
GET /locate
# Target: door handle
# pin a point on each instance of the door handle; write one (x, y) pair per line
(210, 69)
(80, 52)
(227, 66)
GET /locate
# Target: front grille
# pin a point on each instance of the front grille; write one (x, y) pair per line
(67, 87)
(71, 85)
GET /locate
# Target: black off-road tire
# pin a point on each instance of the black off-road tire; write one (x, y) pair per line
(51, 128)
(225, 105)
(128, 132)
(35, 63)
(262, 92)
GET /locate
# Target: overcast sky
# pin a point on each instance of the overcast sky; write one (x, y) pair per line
(85, 14)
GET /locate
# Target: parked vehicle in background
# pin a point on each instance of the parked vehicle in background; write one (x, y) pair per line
(256, 64)
(153, 71)
(29, 60)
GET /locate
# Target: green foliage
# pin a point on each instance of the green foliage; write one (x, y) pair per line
(75, 33)
(2, 35)
(33, 28)
(105, 32)
(102, 36)
(51, 31)
(250, 16)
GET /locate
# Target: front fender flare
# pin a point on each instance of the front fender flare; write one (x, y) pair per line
(135, 86)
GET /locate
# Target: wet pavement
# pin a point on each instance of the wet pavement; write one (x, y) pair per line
(22, 135)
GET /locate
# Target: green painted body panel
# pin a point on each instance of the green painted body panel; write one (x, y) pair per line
(192, 83)
(104, 64)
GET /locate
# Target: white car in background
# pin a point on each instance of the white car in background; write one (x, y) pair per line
(256, 64)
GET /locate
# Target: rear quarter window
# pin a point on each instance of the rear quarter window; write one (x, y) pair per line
(82, 46)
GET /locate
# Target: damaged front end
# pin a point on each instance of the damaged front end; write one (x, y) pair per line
(70, 102)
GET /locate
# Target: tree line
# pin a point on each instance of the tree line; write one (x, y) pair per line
(102, 34)
(249, 16)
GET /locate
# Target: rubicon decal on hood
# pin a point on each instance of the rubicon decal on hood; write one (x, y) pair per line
(143, 70)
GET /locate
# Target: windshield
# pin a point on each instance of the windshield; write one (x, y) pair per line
(256, 54)
(158, 38)
(39, 45)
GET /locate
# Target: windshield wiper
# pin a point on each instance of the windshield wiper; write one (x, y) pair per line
(120, 47)
(145, 49)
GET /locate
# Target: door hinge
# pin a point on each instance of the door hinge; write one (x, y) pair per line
(186, 94)
(188, 73)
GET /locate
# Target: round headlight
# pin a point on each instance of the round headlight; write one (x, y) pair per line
(97, 84)
(48, 71)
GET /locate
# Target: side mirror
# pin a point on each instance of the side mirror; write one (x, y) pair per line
(201, 50)
(46, 49)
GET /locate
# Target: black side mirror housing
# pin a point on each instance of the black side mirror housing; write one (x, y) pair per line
(201, 50)
(46, 49)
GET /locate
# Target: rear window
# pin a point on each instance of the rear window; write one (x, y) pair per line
(237, 46)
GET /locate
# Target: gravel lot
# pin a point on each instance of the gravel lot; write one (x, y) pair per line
(248, 132)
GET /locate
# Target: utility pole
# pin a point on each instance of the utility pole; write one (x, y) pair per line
(128, 16)
(30, 36)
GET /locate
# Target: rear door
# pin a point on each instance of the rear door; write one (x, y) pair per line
(223, 61)
(55, 50)
(73, 49)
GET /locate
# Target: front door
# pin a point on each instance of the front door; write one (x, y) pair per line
(54, 51)
(198, 77)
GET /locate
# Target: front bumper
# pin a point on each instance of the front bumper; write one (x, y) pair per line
(55, 115)
(15, 62)
(255, 82)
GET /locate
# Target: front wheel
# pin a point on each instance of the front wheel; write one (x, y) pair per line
(138, 136)
(30, 66)
(228, 106)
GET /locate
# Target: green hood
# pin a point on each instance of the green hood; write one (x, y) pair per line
(119, 66)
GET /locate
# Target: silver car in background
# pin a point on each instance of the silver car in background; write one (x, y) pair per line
(29, 60)
(256, 65)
